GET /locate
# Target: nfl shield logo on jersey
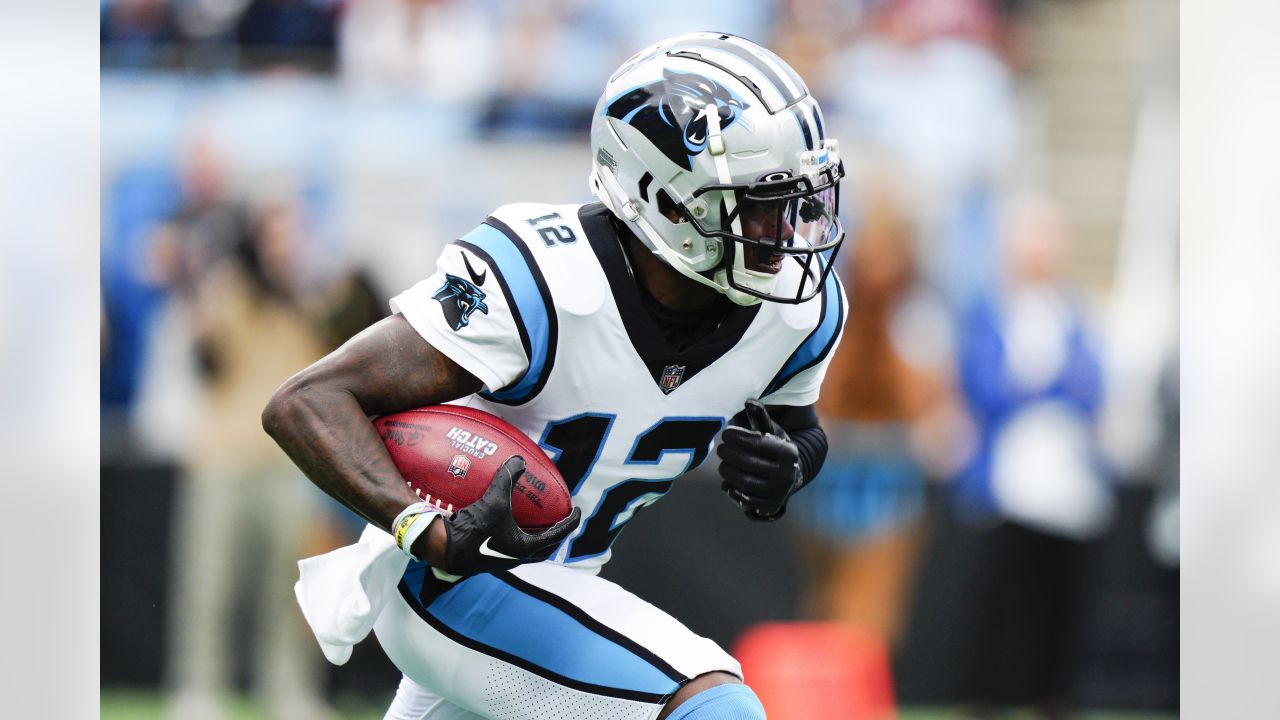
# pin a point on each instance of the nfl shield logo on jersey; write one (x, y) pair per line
(671, 377)
(459, 465)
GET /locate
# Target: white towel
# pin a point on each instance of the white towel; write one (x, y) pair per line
(343, 592)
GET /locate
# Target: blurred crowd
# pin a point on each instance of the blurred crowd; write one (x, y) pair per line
(970, 381)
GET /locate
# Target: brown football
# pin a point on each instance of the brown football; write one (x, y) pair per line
(448, 455)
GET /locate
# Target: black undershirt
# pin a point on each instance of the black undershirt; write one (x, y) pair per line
(681, 327)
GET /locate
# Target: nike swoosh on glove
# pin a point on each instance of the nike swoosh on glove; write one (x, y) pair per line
(759, 465)
(484, 536)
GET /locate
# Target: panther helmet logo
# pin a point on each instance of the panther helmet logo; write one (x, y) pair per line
(459, 298)
(672, 112)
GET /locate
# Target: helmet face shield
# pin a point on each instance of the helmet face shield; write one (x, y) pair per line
(779, 217)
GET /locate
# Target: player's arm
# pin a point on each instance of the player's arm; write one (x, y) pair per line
(769, 454)
(320, 417)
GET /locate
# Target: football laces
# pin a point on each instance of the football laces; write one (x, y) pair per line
(437, 503)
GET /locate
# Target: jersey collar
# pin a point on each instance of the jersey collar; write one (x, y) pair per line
(648, 341)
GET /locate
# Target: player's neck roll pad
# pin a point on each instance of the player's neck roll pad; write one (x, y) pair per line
(722, 702)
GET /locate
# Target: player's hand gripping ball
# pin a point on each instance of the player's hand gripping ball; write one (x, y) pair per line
(759, 464)
(505, 502)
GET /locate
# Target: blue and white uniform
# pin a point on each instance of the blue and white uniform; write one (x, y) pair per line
(539, 304)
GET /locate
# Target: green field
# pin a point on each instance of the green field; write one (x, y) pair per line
(141, 705)
(138, 705)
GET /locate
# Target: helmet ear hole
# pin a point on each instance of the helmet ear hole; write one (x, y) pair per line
(668, 207)
(644, 185)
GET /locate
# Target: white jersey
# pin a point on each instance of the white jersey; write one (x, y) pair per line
(539, 304)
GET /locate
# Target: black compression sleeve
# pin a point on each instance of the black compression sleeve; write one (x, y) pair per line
(812, 443)
(791, 417)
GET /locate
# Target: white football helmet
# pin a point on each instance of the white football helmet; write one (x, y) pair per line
(711, 149)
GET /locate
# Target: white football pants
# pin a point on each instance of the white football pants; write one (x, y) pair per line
(540, 642)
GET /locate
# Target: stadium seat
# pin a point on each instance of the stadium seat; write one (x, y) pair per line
(802, 671)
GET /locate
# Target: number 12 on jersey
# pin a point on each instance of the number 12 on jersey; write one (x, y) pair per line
(576, 443)
(553, 235)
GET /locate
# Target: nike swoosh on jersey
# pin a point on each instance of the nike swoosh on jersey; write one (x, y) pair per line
(485, 549)
(479, 278)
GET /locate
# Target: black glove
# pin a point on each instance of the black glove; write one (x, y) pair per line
(760, 464)
(484, 537)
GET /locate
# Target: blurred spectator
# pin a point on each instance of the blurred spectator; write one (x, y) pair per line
(807, 32)
(210, 224)
(420, 45)
(244, 516)
(134, 202)
(288, 34)
(1031, 492)
(859, 521)
(347, 306)
(208, 32)
(206, 227)
(925, 92)
(1028, 347)
(544, 51)
(549, 49)
(134, 33)
(219, 34)
(208, 19)
(1162, 519)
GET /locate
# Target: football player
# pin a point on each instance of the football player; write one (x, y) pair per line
(694, 301)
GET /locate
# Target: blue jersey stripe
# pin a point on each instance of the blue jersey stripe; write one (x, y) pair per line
(819, 342)
(530, 302)
(493, 614)
(594, 624)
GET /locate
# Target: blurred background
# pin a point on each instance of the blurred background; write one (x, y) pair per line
(996, 527)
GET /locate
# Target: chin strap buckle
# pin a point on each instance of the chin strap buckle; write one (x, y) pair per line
(715, 140)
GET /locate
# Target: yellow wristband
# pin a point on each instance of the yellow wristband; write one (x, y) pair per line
(406, 528)
(403, 527)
